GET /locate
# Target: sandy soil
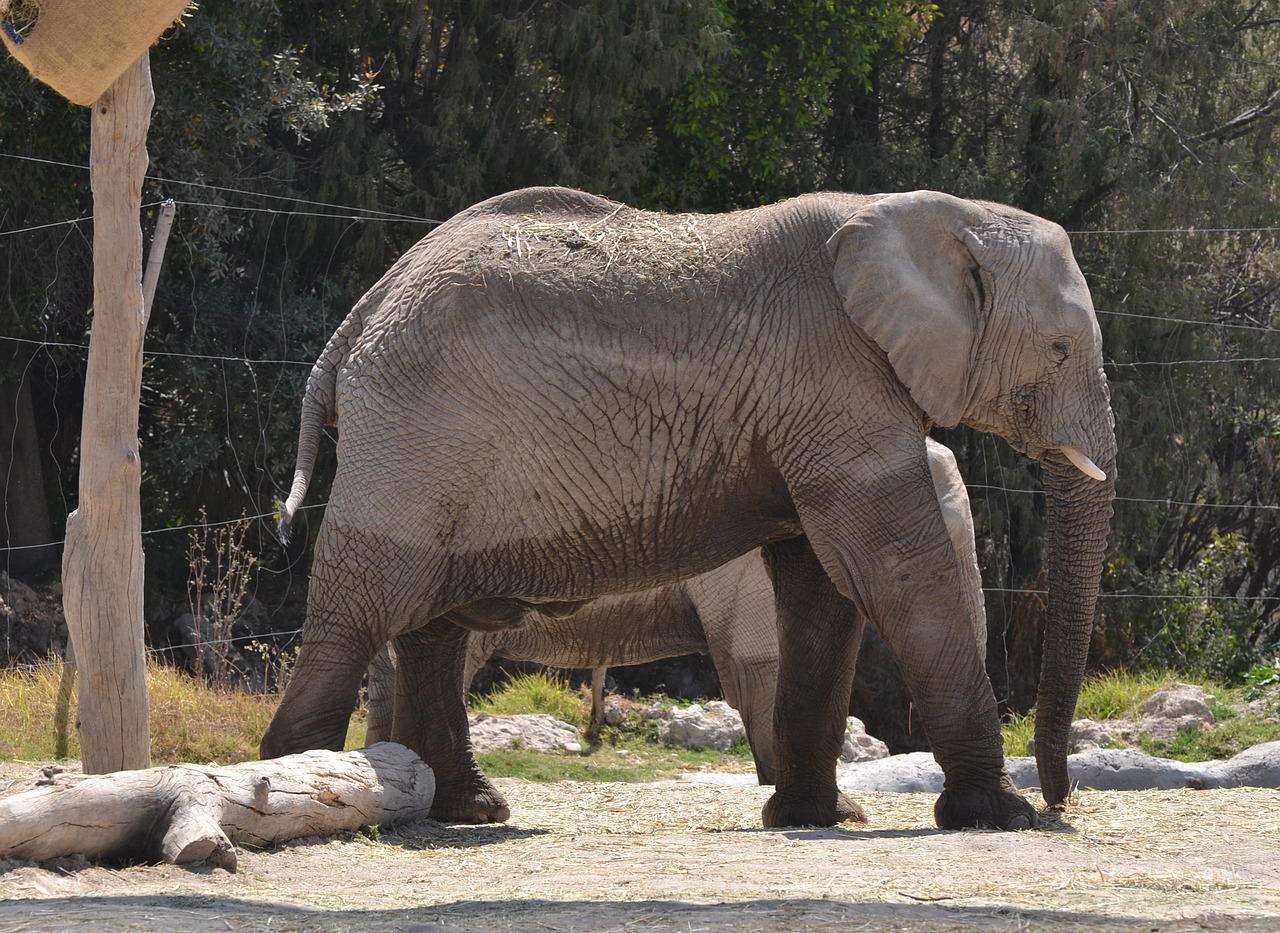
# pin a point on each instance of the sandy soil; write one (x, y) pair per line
(692, 857)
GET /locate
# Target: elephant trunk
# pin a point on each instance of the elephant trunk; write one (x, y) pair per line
(1078, 516)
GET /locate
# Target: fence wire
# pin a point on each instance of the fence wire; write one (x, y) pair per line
(347, 212)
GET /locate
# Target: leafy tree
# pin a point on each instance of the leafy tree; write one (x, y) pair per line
(1146, 127)
(759, 120)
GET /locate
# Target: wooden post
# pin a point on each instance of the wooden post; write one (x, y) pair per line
(102, 561)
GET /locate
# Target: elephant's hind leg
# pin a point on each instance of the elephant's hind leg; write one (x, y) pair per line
(431, 718)
(324, 684)
(818, 635)
(382, 695)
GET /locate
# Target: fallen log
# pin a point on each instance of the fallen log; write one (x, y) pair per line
(182, 814)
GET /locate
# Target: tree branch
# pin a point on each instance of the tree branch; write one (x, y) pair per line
(1234, 129)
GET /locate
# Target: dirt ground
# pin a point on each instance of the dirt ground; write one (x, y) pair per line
(692, 857)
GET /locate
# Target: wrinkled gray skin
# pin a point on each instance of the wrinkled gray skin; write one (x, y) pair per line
(553, 398)
(727, 613)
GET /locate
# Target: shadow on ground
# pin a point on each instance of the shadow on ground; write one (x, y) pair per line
(198, 914)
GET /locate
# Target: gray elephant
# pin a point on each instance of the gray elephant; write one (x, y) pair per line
(553, 398)
(727, 613)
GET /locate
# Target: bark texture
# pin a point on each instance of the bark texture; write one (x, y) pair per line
(182, 814)
(102, 561)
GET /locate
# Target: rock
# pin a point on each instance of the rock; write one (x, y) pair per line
(1087, 735)
(858, 745)
(912, 772)
(1254, 767)
(613, 712)
(1174, 710)
(717, 726)
(535, 731)
(1177, 701)
(1097, 769)
(1121, 769)
(31, 625)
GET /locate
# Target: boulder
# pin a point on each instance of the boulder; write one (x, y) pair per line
(538, 732)
(717, 725)
(858, 745)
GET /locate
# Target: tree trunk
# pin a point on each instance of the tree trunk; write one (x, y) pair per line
(102, 563)
(187, 813)
(24, 515)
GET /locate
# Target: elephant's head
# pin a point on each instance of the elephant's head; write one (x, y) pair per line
(987, 320)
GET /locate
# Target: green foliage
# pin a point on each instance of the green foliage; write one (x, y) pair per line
(537, 692)
(1222, 741)
(627, 759)
(1261, 678)
(1194, 625)
(1146, 128)
(759, 120)
(1121, 695)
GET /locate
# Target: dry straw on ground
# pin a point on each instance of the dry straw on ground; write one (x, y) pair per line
(681, 855)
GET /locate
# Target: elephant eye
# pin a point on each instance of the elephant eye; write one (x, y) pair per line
(1060, 349)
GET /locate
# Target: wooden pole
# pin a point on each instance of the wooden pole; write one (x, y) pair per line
(66, 683)
(102, 561)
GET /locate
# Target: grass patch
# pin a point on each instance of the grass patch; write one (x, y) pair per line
(628, 752)
(1018, 731)
(27, 698)
(537, 692)
(1121, 695)
(190, 721)
(193, 722)
(1229, 737)
(623, 758)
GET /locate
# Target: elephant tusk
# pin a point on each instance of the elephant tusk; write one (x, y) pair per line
(1082, 463)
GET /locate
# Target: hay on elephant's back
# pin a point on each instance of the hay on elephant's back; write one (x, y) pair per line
(669, 245)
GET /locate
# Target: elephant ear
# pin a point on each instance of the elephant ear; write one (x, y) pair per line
(906, 269)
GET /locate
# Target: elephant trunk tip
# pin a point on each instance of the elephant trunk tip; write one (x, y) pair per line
(286, 511)
(284, 521)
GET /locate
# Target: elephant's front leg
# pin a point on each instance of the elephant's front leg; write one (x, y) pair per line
(431, 718)
(884, 540)
(818, 636)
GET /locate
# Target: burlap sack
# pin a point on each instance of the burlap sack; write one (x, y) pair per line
(79, 47)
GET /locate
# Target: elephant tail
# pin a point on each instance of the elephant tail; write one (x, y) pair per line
(319, 410)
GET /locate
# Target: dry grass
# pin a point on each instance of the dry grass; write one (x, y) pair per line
(666, 245)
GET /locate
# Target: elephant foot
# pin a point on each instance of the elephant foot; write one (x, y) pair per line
(476, 801)
(1004, 808)
(811, 810)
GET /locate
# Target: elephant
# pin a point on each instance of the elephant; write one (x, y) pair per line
(727, 612)
(554, 397)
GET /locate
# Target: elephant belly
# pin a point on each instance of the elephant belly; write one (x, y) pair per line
(557, 463)
(633, 628)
